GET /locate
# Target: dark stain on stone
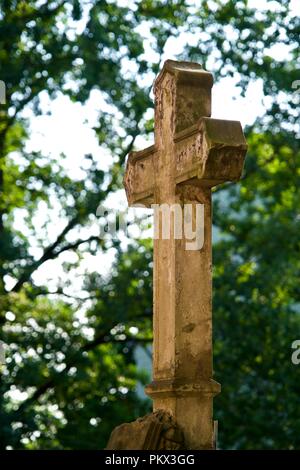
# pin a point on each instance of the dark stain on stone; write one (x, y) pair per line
(188, 328)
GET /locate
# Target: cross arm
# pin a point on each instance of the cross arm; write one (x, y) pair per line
(209, 153)
(139, 177)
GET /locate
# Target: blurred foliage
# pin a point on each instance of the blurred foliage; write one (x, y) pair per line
(70, 374)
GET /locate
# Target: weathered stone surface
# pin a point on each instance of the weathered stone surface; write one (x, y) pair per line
(139, 177)
(156, 431)
(192, 153)
(210, 153)
(201, 150)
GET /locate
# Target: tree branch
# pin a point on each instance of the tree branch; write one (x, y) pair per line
(48, 254)
(101, 338)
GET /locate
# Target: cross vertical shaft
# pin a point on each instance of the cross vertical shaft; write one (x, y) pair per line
(182, 363)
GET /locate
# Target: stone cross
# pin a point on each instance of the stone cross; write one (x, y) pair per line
(192, 153)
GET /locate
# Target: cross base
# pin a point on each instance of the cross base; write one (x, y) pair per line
(191, 405)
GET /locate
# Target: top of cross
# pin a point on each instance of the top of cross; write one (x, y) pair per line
(186, 87)
(184, 71)
(190, 147)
